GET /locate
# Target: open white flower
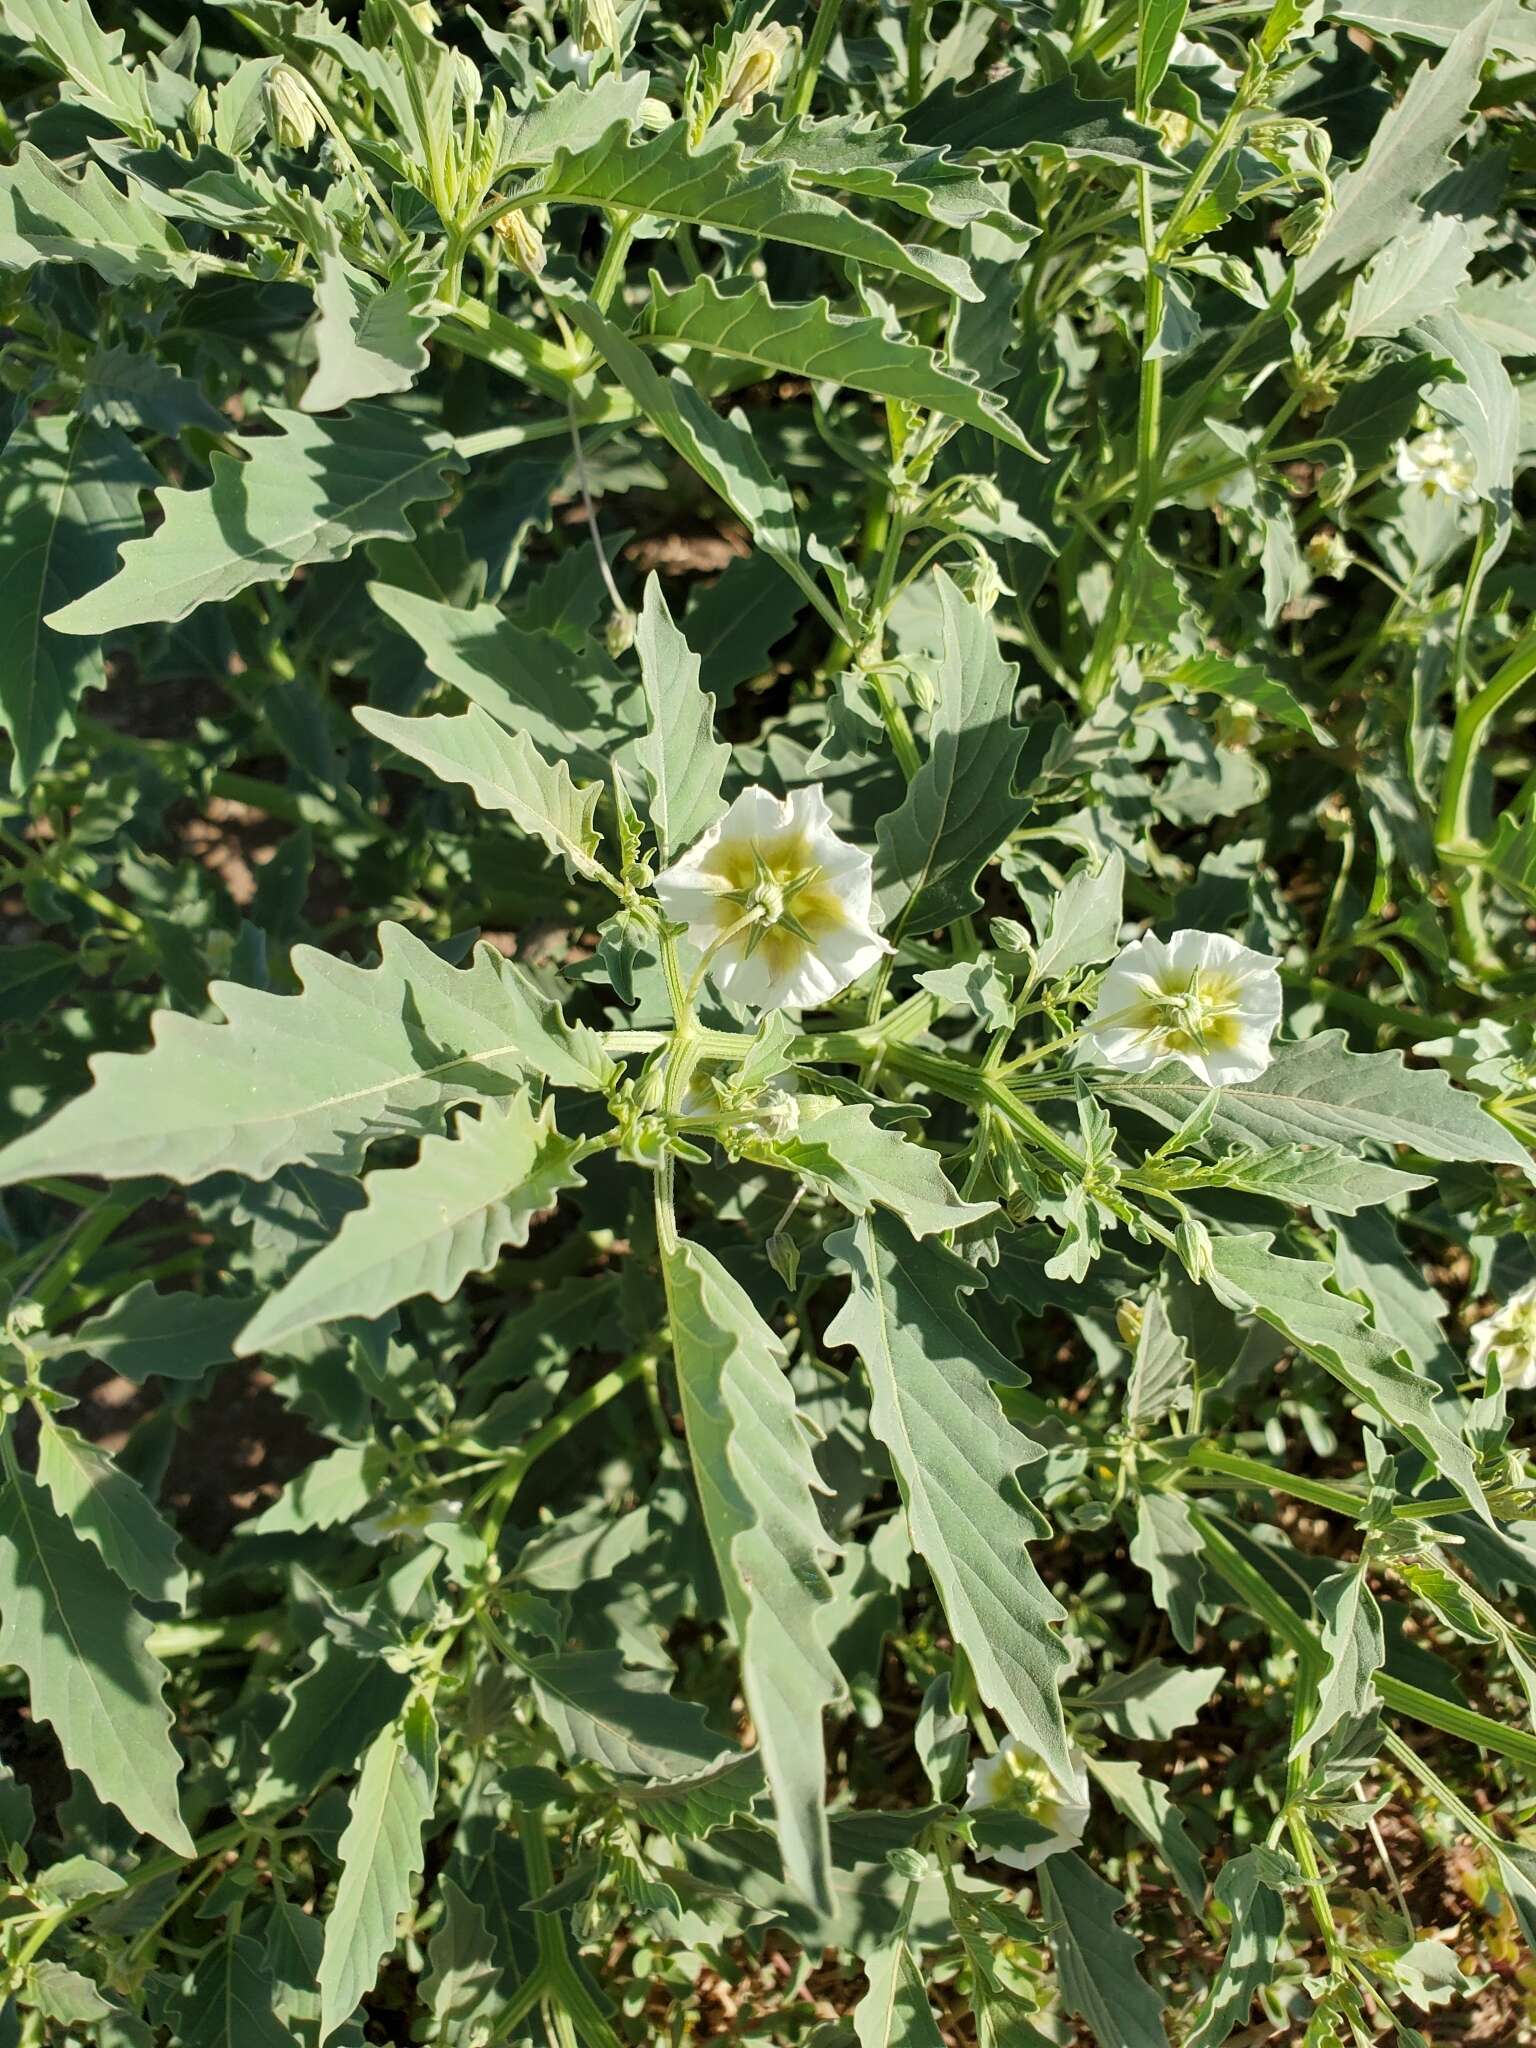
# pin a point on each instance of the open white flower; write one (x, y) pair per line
(1188, 55)
(1439, 465)
(1508, 1337)
(779, 906)
(1201, 998)
(1019, 1780)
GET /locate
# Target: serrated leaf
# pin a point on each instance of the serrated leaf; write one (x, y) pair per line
(368, 341)
(1376, 198)
(1511, 858)
(506, 772)
(1096, 1959)
(625, 1720)
(752, 1464)
(335, 1711)
(562, 697)
(1221, 677)
(684, 763)
(846, 153)
(381, 1852)
(361, 1053)
(840, 1149)
(1168, 1547)
(1502, 310)
(1319, 1092)
(1147, 1805)
(1354, 1647)
(1439, 21)
(740, 321)
(960, 805)
(67, 36)
(1292, 1296)
(69, 498)
(108, 1507)
(1318, 1177)
(64, 1995)
(429, 1225)
(718, 186)
(460, 1983)
(177, 1336)
(1084, 923)
(229, 2000)
(894, 2011)
(1153, 1702)
(933, 1378)
(307, 495)
(82, 1647)
(48, 217)
(689, 1808)
(1257, 1921)
(1412, 277)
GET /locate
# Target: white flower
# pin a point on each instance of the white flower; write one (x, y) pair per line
(1019, 1780)
(1202, 999)
(777, 903)
(1508, 1336)
(1188, 55)
(1439, 465)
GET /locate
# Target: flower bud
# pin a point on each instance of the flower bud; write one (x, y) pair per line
(655, 115)
(200, 117)
(1237, 723)
(1328, 552)
(1128, 1321)
(1009, 936)
(619, 636)
(522, 241)
(784, 1257)
(594, 26)
(754, 66)
(293, 112)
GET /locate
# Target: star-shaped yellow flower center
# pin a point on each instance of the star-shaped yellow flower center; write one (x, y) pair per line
(1191, 1010)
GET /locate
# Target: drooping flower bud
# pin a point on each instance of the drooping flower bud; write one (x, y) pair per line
(754, 66)
(522, 241)
(594, 25)
(293, 112)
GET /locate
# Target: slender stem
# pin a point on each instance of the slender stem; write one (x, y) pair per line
(1453, 832)
(823, 29)
(621, 233)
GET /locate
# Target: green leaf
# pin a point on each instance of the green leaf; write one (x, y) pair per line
(381, 1852)
(229, 2000)
(307, 495)
(1167, 1546)
(561, 697)
(719, 187)
(1247, 1890)
(335, 1711)
(840, 1149)
(428, 1226)
(933, 1377)
(66, 35)
(64, 1995)
(1502, 310)
(506, 772)
(1219, 677)
(1512, 855)
(1085, 919)
(1153, 1702)
(108, 1507)
(843, 151)
(368, 342)
(689, 1808)
(1095, 1959)
(1412, 277)
(1320, 1177)
(1147, 1805)
(1484, 407)
(894, 2011)
(48, 217)
(1354, 1646)
(1010, 118)
(177, 1336)
(1439, 21)
(69, 498)
(1292, 1296)
(1375, 199)
(1318, 1092)
(752, 1464)
(82, 1646)
(626, 1721)
(684, 763)
(742, 322)
(1158, 23)
(362, 1053)
(960, 805)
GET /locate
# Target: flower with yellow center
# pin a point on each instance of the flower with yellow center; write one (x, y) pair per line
(1438, 465)
(1018, 1780)
(1201, 998)
(774, 903)
(1508, 1338)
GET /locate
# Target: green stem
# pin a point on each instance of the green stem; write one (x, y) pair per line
(1453, 832)
(822, 31)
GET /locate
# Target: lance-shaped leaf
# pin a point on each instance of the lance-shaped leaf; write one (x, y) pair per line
(684, 763)
(230, 1999)
(562, 697)
(362, 1053)
(933, 1377)
(840, 1149)
(752, 1464)
(1320, 1093)
(1293, 1297)
(960, 806)
(719, 186)
(69, 498)
(307, 495)
(741, 322)
(48, 217)
(506, 772)
(625, 1721)
(1354, 1646)
(1010, 117)
(1148, 1805)
(1096, 1959)
(83, 1648)
(428, 1226)
(108, 1507)
(894, 2011)
(1249, 1889)
(843, 151)
(722, 451)
(380, 1853)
